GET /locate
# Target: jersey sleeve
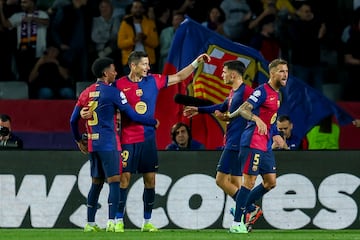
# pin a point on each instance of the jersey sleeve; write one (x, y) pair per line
(247, 92)
(83, 99)
(161, 80)
(74, 123)
(211, 109)
(257, 97)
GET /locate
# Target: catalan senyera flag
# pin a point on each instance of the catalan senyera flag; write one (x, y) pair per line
(305, 105)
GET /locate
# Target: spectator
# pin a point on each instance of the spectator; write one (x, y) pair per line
(8, 43)
(104, 33)
(120, 7)
(162, 17)
(265, 40)
(7, 138)
(215, 20)
(137, 33)
(31, 25)
(49, 79)
(306, 32)
(166, 38)
(182, 139)
(52, 7)
(237, 16)
(269, 9)
(71, 33)
(291, 142)
(352, 61)
(324, 135)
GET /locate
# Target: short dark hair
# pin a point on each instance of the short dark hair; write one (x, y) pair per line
(5, 118)
(135, 57)
(283, 118)
(99, 66)
(236, 65)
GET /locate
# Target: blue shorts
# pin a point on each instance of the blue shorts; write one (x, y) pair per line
(257, 162)
(104, 164)
(140, 157)
(229, 163)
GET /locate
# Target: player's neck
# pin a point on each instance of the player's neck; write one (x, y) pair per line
(273, 84)
(237, 84)
(134, 78)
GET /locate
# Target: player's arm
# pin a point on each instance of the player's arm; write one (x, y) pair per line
(185, 72)
(245, 111)
(190, 111)
(74, 124)
(3, 20)
(125, 107)
(134, 116)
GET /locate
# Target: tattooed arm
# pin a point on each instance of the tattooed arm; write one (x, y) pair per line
(245, 111)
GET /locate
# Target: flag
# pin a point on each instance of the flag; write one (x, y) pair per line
(304, 104)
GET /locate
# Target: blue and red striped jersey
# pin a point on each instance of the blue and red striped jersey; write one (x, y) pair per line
(235, 127)
(266, 102)
(104, 100)
(142, 97)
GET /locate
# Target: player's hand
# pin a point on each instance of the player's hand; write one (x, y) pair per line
(222, 116)
(157, 124)
(203, 58)
(356, 122)
(190, 111)
(262, 128)
(82, 145)
(86, 113)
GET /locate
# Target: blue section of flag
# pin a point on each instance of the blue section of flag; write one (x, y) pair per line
(305, 105)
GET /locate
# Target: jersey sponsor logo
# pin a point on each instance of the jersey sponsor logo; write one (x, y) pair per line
(139, 92)
(141, 107)
(272, 98)
(126, 89)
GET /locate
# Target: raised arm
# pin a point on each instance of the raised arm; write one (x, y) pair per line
(185, 72)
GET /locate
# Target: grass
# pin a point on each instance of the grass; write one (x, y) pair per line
(169, 234)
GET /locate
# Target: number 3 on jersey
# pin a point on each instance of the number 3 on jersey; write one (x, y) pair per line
(92, 106)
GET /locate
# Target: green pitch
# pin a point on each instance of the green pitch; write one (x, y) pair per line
(78, 234)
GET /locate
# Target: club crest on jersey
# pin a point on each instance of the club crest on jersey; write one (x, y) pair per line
(139, 92)
(141, 107)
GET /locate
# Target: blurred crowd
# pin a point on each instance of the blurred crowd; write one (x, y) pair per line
(50, 44)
